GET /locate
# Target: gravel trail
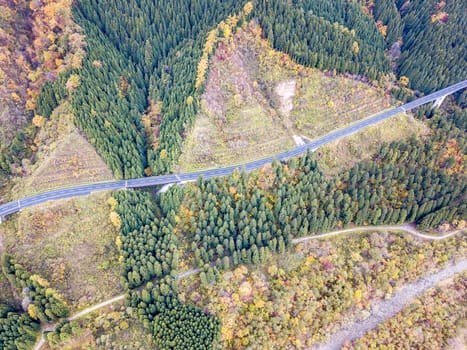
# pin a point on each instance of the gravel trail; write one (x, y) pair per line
(389, 308)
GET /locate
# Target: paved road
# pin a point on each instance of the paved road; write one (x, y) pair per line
(13, 207)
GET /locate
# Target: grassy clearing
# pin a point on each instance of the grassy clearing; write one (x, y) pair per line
(296, 299)
(71, 243)
(65, 158)
(326, 103)
(256, 99)
(342, 154)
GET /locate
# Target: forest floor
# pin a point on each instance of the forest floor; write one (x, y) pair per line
(256, 99)
(386, 309)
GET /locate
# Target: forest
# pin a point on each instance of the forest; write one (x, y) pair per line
(20, 329)
(135, 92)
(295, 300)
(243, 218)
(135, 95)
(430, 38)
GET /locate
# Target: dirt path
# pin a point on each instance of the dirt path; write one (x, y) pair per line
(389, 308)
(51, 327)
(95, 307)
(405, 228)
(187, 273)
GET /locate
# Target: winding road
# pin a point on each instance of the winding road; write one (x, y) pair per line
(15, 206)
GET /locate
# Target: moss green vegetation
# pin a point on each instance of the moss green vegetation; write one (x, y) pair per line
(44, 303)
(135, 97)
(296, 299)
(109, 328)
(6, 297)
(327, 35)
(426, 39)
(437, 318)
(18, 330)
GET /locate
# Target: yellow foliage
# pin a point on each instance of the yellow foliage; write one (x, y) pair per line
(77, 59)
(97, 64)
(202, 68)
(210, 42)
(51, 293)
(33, 311)
(73, 82)
(404, 81)
(15, 97)
(272, 270)
(118, 242)
(39, 280)
(115, 220)
(240, 272)
(358, 295)
(355, 48)
(189, 100)
(30, 105)
(113, 203)
(247, 8)
(163, 154)
(259, 303)
(148, 171)
(38, 121)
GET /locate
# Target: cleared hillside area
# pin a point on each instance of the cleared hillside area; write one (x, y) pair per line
(65, 157)
(256, 99)
(71, 243)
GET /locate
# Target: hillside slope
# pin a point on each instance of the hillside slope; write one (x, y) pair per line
(258, 102)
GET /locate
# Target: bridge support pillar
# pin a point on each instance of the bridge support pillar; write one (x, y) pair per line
(439, 101)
